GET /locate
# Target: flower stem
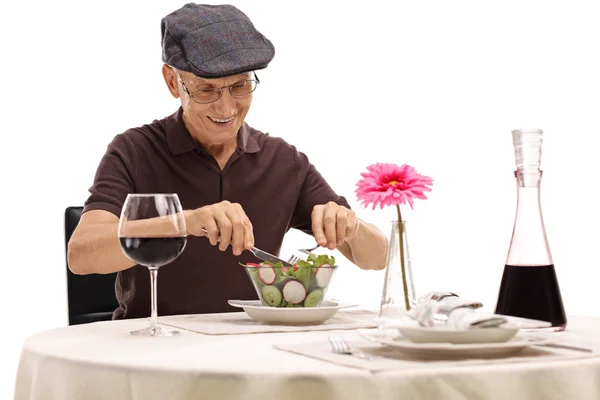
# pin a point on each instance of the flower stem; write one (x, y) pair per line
(402, 266)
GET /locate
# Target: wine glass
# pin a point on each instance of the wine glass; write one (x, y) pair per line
(152, 233)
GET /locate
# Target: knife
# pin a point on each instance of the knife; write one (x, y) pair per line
(263, 255)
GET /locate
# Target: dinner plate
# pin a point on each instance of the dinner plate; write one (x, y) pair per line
(392, 340)
(293, 315)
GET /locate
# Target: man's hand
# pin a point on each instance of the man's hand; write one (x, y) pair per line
(225, 222)
(333, 224)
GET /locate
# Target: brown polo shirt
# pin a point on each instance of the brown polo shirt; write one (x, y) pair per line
(273, 182)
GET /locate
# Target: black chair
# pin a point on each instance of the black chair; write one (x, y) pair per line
(91, 297)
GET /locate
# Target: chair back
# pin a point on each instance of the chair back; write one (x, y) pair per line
(90, 297)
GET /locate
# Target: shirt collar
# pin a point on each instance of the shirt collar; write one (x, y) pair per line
(180, 140)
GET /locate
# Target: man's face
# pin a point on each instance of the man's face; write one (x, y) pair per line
(216, 122)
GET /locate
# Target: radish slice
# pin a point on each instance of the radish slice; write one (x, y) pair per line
(294, 292)
(323, 275)
(266, 274)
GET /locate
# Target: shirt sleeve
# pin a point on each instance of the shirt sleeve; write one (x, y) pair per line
(314, 191)
(114, 178)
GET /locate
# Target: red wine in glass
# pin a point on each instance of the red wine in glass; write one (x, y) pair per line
(152, 233)
(156, 251)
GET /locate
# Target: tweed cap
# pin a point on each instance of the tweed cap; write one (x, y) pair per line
(213, 41)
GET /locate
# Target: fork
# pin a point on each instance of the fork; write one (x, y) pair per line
(300, 254)
(340, 346)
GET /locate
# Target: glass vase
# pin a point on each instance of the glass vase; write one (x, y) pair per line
(398, 296)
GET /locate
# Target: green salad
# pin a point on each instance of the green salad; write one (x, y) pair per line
(302, 285)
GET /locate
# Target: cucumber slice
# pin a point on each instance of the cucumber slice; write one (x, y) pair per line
(314, 298)
(271, 295)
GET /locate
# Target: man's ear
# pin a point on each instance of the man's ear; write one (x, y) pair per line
(171, 80)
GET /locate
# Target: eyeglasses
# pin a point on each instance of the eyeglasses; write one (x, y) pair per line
(238, 89)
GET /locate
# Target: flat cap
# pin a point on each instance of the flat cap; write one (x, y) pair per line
(213, 41)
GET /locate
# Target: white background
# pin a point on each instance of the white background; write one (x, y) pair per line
(435, 84)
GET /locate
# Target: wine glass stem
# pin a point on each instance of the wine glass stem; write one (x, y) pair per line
(154, 314)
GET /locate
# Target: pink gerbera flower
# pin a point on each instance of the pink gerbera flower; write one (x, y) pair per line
(389, 184)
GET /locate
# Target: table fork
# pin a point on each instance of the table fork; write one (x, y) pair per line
(340, 346)
(301, 254)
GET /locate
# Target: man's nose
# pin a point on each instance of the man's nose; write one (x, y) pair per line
(226, 103)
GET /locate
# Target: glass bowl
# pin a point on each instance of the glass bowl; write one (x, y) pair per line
(298, 286)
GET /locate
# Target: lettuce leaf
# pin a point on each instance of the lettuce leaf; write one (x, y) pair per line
(318, 260)
(305, 276)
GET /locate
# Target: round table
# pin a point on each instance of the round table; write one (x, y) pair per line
(101, 361)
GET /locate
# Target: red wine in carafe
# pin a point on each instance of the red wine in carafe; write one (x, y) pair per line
(531, 292)
(529, 286)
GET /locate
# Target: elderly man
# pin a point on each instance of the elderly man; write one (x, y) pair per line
(241, 185)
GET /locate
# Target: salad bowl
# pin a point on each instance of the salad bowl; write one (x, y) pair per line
(304, 284)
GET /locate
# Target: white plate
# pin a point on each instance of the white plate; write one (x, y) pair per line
(448, 350)
(290, 316)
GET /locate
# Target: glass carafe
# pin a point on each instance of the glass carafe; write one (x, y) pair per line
(529, 286)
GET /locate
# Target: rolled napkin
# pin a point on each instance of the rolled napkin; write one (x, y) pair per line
(447, 309)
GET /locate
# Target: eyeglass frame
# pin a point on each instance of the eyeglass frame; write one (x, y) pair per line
(219, 88)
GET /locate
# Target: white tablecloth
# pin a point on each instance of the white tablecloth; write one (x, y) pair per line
(101, 361)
